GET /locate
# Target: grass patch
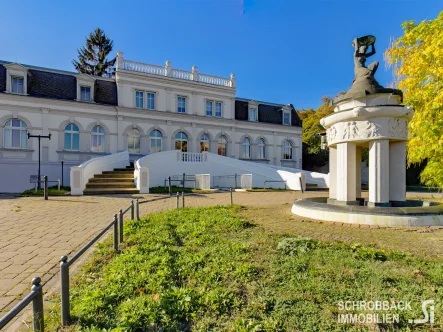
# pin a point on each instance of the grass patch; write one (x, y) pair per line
(52, 191)
(209, 269)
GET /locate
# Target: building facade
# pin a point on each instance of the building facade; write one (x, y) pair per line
(143, 109)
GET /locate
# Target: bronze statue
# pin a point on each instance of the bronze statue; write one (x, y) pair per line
(361, 46)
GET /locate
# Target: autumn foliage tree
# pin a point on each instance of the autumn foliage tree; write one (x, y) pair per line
(417, 60)
(312, 126)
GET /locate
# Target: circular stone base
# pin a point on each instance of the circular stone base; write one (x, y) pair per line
(415, 213)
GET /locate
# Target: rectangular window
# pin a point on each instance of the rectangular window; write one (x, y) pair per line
(181, 104)
(286, 118)
(85, 93)
(252, 115)
(151, 100)
(218, 109)
(139, 99)
(17, 84)
(209, 105)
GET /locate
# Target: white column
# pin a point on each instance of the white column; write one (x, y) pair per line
(358, 172)
(397, 171)
(332, 172)
(379, 172)
(346, 174)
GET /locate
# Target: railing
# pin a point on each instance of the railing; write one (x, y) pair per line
(208, 79)
(167, 71)
(181, 74)
(144, 68)
(192, 157)
(270, 181)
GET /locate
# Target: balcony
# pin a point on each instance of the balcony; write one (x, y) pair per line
(168, 71)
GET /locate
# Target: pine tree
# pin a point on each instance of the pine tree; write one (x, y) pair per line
(92, 57)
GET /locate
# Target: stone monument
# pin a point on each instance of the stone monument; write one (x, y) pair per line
(367, 115)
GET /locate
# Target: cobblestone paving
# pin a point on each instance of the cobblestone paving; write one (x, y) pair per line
(35, 233)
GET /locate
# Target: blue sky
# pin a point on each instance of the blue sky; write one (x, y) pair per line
(281, 51)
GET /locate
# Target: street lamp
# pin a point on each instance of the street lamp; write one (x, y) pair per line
(39, 139)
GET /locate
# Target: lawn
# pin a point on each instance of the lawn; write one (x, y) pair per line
(52, 191)
(222, 269)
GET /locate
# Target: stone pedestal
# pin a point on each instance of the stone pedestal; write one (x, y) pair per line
(376, 121)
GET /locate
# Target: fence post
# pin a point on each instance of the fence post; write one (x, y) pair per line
(37, 306)
(230, 191)
(184, 179)
(301, 184)
(63, 182)
(46, 187)
(137, 209)
(183, 199)
(115, 232)
(170, 186)
(177, 201)
(64, 290)
(121, 225)
(235, 176)
(264, 185)
(132, 210)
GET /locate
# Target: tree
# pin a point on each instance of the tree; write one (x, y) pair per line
(92, 58)
(312, 126)
(417, 60)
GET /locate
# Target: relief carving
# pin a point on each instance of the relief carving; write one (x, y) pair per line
(398, 127)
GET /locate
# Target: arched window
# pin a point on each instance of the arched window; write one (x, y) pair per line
(14, 134)
(134, 141)
(98, 139)
(221, 145)
(204, 143)
(181, 142)
(72, 137)
(261, 149)
(287, 150)
(246, 149)
(155, 141)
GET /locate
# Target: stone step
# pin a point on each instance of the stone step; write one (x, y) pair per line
(118, 172)
(110, 185)
(110, 191)
(115, 175)
(111, 179)
(127, 169)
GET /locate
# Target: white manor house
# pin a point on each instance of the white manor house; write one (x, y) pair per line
(144, 109)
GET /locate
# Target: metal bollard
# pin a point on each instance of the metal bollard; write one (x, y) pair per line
(63, 182)
(137, 209)
(115, 232)
(177, 201)
(46, 187)
(183, 199)
(120, 220)
(170, 187)
(64, 290)
(132, 210)
(38, 320)
(232, 201)
(184, 179)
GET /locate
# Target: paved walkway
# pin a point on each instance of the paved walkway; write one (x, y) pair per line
(35, 233)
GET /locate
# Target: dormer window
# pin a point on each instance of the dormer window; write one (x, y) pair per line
(85, 93)
(85, 88)
(252, 114)
(17, 84)
(286, 118)
(16, 79)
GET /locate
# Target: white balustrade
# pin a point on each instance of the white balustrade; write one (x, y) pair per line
(192, 157)
(167, 71)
